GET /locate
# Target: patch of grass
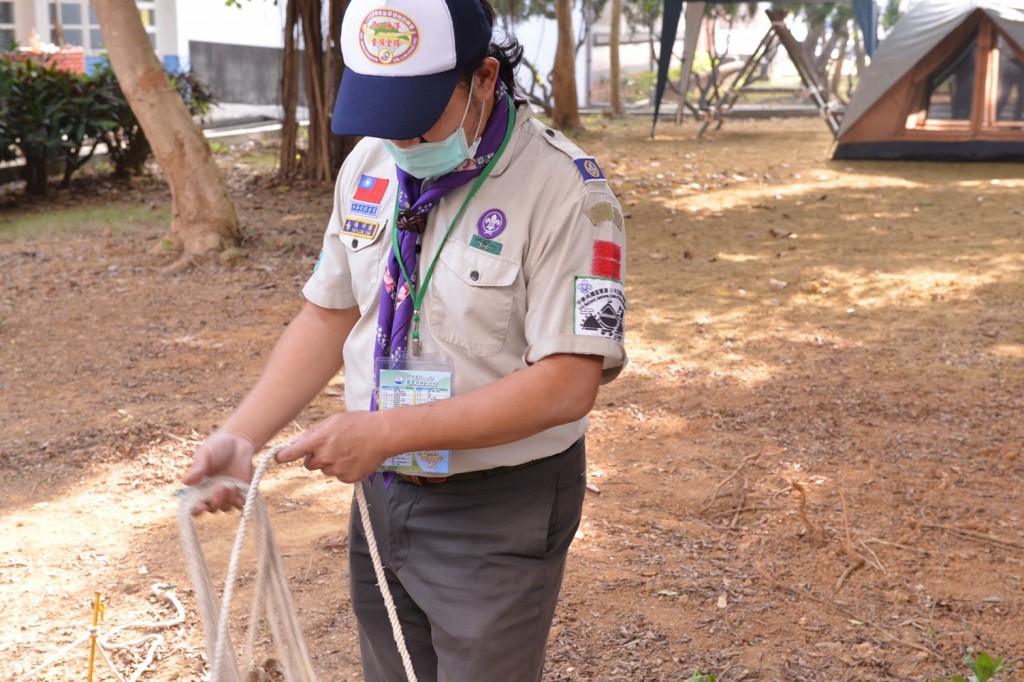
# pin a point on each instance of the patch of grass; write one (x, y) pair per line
(69, 220)
(983, 667)
(698, 676)
(259, 159)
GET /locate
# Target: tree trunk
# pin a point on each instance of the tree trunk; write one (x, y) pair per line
(318, 153)
(203, 218)
(289, 163)
(616, 70)
(563, 78)
(321, 69)
(858, 48)
(837, 73)
(36, 172)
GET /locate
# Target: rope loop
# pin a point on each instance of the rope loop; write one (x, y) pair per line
(280, 610)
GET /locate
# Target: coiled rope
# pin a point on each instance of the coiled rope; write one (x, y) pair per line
(105, 645)
(271, 585)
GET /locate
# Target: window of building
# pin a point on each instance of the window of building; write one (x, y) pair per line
(80, 26)
(6, 25)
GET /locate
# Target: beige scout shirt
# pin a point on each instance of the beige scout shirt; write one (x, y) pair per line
(535, 267)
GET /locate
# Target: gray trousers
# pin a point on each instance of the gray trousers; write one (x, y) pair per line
(474, 568)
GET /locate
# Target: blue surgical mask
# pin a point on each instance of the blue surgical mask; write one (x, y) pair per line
(434, 159)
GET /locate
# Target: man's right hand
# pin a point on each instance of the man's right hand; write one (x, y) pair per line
(222, 454)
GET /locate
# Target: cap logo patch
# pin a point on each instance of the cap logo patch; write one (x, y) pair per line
(491, 223)
(388, 37)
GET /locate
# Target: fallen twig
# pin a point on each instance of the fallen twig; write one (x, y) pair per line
(974, 535)
(847, 573)
(714, 496)
(879, 541)
(842, 610)
(813, 531)
(186, 441)
(876, 563)
(743, 510)
(743, 501)
(856, 558)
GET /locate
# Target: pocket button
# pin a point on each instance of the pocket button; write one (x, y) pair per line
(474, 275)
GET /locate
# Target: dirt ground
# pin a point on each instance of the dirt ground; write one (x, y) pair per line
(810, 470)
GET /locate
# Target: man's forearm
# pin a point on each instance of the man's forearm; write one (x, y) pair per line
(305, 358)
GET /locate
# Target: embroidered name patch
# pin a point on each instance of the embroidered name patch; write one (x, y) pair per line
(363, 229)
(589, 169)
(607, 259)
(364, 210)
(600, 308)
(478, 242)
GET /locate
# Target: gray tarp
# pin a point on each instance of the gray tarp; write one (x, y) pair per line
(916, 34)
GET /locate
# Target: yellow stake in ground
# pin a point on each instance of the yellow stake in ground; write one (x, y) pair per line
(97, 615)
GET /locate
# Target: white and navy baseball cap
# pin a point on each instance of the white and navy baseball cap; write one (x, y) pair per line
(403, 59)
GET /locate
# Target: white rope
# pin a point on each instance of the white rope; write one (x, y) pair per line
(270, 582)
(105, 645)
(382, 582)
(48, 663)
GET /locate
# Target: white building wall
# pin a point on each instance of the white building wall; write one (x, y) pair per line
(258, 23)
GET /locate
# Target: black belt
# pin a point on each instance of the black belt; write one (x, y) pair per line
(473, 475)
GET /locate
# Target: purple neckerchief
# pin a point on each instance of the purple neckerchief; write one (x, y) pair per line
(396, 306)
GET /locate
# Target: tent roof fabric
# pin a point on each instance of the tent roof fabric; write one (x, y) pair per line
(915, 35)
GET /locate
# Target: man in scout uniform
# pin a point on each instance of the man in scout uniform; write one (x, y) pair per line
(471, 284)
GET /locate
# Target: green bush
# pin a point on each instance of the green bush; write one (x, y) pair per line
(48, 115)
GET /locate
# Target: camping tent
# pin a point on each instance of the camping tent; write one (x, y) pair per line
(946, 84)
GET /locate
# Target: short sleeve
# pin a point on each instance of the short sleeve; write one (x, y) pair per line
(330, 285)
(575, 269)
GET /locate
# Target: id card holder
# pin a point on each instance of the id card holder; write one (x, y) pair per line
(409, 380)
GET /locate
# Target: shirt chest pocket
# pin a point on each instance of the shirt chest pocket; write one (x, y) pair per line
(363, 240)
(473, 294)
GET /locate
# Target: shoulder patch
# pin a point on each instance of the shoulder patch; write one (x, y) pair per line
(600, 308)
(586, 165)
(604, 211)
(589, 169)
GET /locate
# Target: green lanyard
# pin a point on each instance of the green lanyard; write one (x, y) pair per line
(417, 293)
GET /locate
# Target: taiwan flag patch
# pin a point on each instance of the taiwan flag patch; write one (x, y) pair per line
(371, 190)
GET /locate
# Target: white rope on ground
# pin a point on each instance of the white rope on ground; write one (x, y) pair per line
(271, 582)
(105, 645)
